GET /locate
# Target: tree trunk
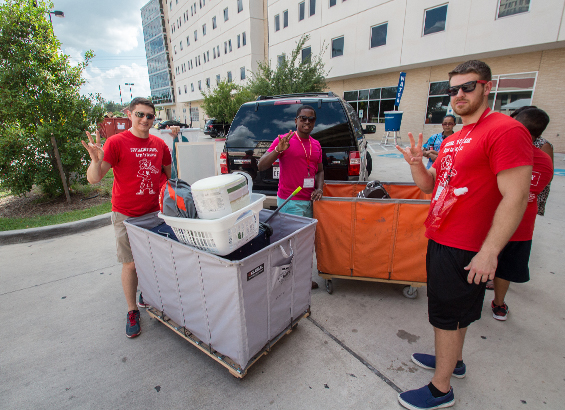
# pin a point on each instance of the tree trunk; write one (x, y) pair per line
(60, 166)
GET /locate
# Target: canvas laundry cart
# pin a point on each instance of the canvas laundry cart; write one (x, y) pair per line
(380, 240)
(234, 311)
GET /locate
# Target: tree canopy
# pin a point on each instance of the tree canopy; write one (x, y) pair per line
(39, 90)
(292, 75)
(223, 101)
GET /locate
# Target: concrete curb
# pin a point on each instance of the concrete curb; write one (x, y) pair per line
(47, 232)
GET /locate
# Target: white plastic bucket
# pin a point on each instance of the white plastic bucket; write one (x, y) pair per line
(221, 195)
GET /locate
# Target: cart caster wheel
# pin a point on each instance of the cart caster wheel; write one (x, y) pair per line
(410, 292)
(329, 287)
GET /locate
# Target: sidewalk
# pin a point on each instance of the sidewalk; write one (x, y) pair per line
(63, 342)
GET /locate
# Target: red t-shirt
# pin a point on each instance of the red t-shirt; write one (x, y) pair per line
(541, 176)
(496, 143)
(301, 158)
(137, 166)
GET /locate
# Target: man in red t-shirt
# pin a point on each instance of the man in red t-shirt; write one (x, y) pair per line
(138, 159)
(480, 185)
(514, 258)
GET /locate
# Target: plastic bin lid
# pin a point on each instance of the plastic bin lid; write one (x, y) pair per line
(218, 181)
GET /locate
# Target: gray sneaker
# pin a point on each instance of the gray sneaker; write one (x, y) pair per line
(133, 328)
(428, 361)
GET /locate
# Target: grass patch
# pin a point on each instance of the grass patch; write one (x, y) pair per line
(8, 224)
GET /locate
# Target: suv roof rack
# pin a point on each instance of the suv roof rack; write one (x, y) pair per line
(312, 94)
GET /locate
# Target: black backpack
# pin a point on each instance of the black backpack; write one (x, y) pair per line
(375, 190)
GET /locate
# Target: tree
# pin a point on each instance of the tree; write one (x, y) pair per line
(223, 101)
(291, 75)
(39, 91)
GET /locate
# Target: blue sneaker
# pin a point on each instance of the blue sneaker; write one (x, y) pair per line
(422, 398)
(428, 361)
(133, 328)
(141, 303)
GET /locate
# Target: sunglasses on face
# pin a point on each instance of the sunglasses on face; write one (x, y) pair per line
(305, 118)
(141, 115)
(466, 87)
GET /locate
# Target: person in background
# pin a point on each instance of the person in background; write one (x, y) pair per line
(300, 159)
(137, 159)
(537, 122)
(432, 146)
(480, 186)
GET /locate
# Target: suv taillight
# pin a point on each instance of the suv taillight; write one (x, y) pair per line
(354, 163)
(224, 163)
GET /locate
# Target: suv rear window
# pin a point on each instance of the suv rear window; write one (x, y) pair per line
(274, 118)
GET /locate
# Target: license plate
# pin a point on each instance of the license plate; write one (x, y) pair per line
(276, 172)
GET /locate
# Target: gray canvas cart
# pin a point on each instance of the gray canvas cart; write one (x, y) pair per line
(234, 311)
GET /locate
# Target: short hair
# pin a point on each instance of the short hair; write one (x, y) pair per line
(140, 101)
(473, 66)
(519, 110)
(304, 107)
(534, 119)
(452, 116)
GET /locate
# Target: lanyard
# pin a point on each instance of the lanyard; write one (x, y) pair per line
(460, 141)
(307, 156)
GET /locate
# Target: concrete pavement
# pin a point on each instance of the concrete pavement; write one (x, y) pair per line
(63, 342)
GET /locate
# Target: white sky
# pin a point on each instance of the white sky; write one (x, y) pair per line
(112, 29)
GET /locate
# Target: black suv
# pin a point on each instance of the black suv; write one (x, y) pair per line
(258, 123)
(215, 128)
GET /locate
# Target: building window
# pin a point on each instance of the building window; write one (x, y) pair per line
(229, 76)
(332, 3)
(306, 54)
(371, 104)
(337, 46)
(242, 73)
(225, 47)
(509, 92)
(180, 44)
(192, 87)
(229, 45)
(312, 7)
(175, 48)
(239, 5)
(285, 19)
(238, 40)
(187, 40)
(200, 85)
(199, 60)
(301, 8)
(207, 55)
(203, 29)
(218, 50)
(195, 35)
(511, 7)
(280, 60)
(194, 114)
(208, 82)
(204, 54)
(214, 50)
(185, 89)
(243, 39)
(434, 19)
(277, 23)
(217, 79)
(378, 35)
(191, 11)
(226, 14)
(214, 25)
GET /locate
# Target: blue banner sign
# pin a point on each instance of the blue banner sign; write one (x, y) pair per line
(400, 88)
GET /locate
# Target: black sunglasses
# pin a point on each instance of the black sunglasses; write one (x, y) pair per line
(141, 115)
(305, 118)
(466, 87)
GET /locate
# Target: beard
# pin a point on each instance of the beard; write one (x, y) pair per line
(468, 109)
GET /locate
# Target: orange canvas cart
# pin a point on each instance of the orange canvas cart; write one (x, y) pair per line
(380, 240)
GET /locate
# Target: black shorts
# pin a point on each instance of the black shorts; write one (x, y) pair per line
(513, 262)
(453, 303)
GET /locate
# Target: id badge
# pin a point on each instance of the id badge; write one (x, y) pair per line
(308, 183)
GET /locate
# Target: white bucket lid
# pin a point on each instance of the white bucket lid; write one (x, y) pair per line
(393, 112)
(218, 181)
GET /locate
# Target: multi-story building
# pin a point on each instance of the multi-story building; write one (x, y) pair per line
(156, 51)
(366, 43)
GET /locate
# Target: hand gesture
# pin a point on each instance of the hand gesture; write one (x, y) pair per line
(94, 149)
(414, 153)
(175, 129)
(284, 141)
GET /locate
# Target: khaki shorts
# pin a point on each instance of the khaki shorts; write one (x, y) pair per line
(122, 241)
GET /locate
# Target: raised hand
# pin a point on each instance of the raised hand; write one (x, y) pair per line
(284, 142)
(414, 153)
(94, 149)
